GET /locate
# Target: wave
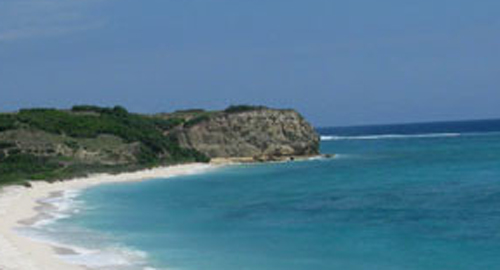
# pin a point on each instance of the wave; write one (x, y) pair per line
(388, 136)
(95, 250)
(57, 207)
(117, 257)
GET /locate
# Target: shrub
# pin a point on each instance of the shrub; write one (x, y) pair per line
(25, 165)
(7, 122)
(196, 120)
(190, 111)
(87, 108)
(4, 145)
(72, 144)
(242, 108)
(156, 148)
(167, 124)
(115, 121)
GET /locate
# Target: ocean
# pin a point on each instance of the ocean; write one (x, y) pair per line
(413, 197)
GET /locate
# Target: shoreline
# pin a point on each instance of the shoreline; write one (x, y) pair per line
(267, 159)
(20, 208)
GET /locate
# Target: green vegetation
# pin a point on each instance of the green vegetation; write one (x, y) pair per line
(72, 144)
(7, 122)
(196, 120)
(17, 167)
(4, 145)
(242, 108)
(190, 111)
(116, 121)
(84, 123)
(88, 108)
(167, 124)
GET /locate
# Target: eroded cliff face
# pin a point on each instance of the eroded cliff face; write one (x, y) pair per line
(262, 134)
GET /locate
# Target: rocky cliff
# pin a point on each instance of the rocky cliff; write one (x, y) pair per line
(50, 144)
(256, 132)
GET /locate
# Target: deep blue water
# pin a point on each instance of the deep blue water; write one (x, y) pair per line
(463, 127)
(385, 202)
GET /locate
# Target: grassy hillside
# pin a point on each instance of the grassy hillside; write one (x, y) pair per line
(49, 144)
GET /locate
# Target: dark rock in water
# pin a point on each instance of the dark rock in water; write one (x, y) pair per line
(265, 134)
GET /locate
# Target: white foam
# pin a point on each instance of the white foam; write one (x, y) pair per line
(62, 207)
(316, 158)
(94, 248)
(98, 257)
(112, 257)
(94, 254)
(49, 220)
(389, 136)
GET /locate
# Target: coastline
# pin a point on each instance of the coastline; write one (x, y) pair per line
(267, 159)
(18, 207)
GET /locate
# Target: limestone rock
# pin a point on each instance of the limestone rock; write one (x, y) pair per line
(256, 133)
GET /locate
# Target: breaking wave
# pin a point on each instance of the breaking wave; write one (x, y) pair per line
(95, 250)
(388, 136)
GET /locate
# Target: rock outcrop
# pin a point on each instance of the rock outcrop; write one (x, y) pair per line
(49, 144)
(260, 133)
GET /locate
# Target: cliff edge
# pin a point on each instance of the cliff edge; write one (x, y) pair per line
(51, 144)
(259, 133)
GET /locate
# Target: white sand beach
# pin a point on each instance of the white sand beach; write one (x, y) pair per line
(19, 203)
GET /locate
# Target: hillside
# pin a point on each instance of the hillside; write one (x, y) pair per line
(50, 144)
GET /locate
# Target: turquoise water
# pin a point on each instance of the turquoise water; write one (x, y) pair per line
(385, 202)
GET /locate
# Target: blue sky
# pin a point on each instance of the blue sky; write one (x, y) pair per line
(337, 62)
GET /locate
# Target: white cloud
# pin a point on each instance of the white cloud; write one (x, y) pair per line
(23, 19)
